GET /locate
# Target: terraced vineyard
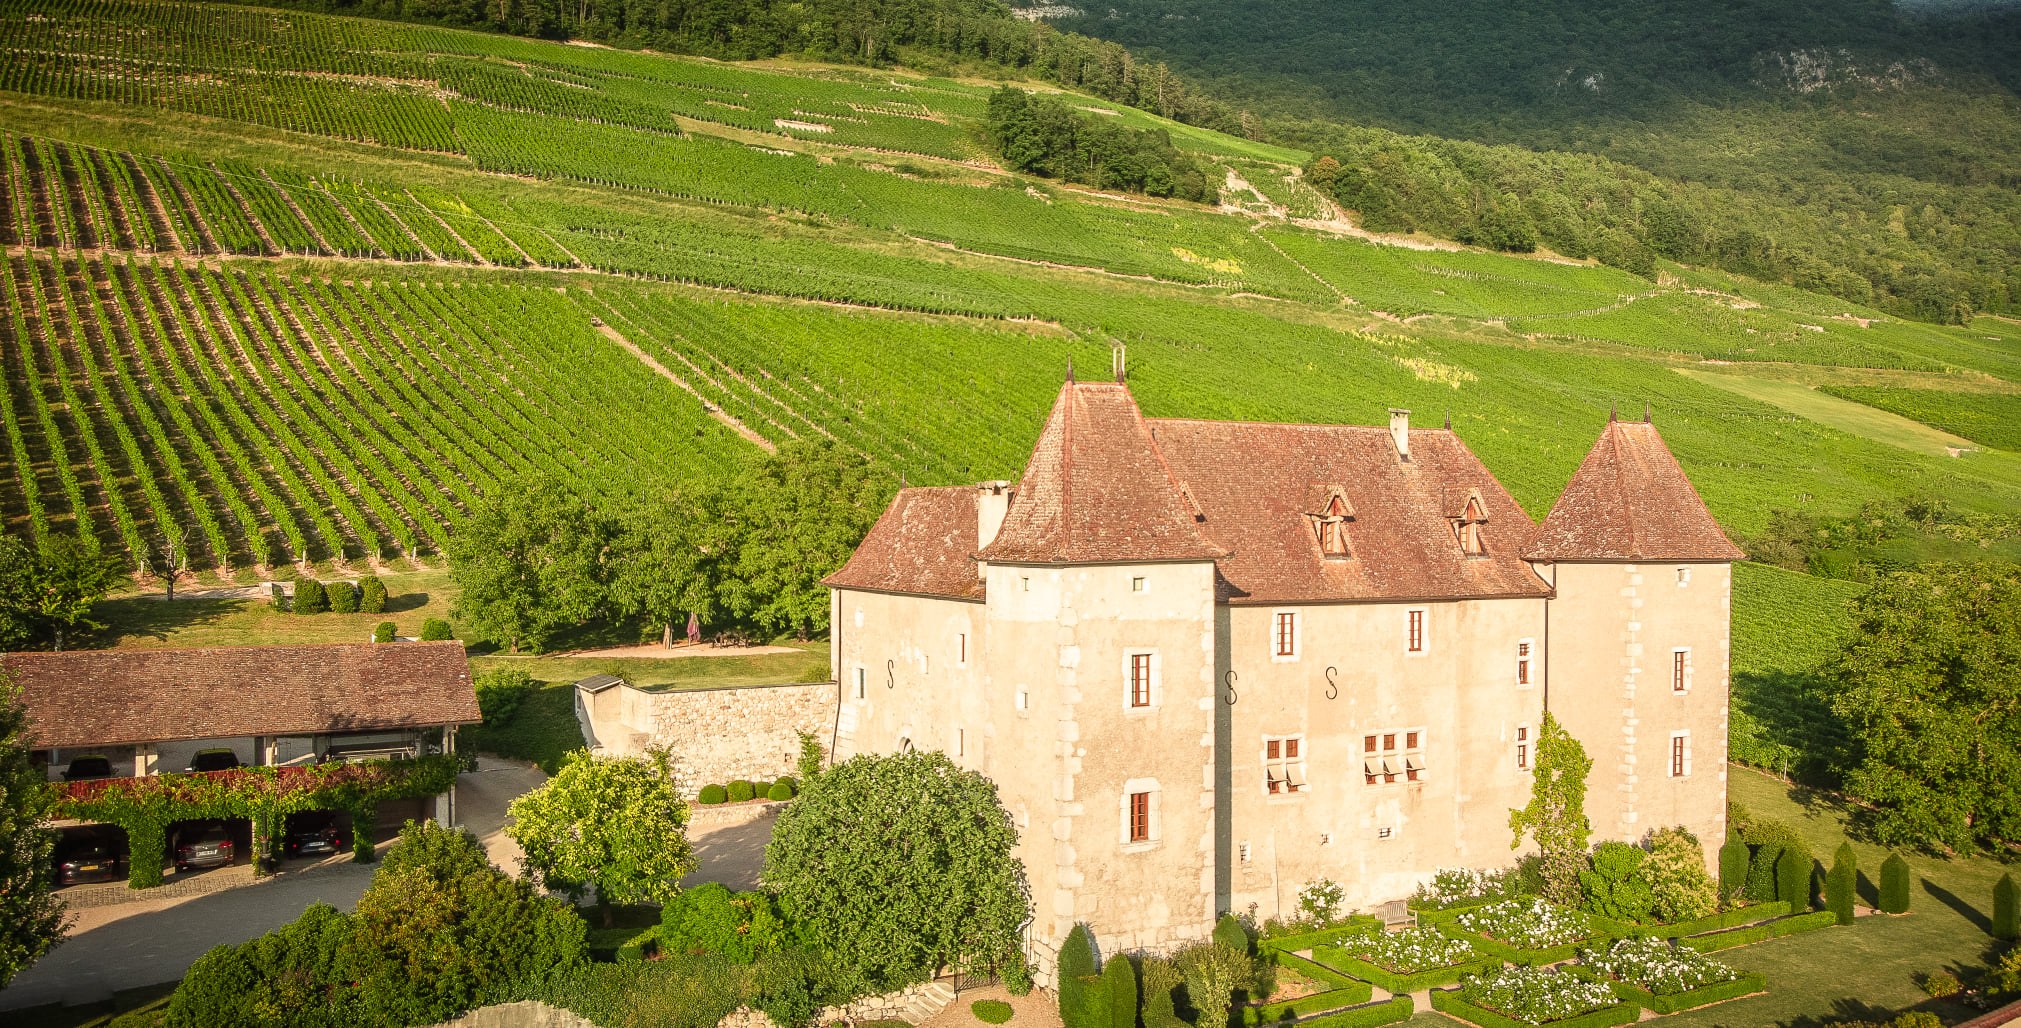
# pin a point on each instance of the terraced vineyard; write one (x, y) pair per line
(310, 286)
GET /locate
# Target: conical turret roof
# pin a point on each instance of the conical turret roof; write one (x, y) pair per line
(1630, 501)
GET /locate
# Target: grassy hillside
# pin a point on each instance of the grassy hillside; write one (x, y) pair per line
(311, 285)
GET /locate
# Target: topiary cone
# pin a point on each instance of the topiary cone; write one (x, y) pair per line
(2006, 908)
(1895, 885)
(1840, 883)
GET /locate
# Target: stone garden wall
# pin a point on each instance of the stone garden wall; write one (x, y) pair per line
(715, 735)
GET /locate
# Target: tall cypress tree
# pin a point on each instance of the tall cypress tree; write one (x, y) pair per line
(31, 917)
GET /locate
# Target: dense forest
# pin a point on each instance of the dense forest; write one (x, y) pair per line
(1848, 149)
(1044, 135)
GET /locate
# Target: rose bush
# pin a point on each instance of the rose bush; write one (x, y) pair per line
(1657, 966)
(1535, 995)
(1527, 924)
(1411, 950)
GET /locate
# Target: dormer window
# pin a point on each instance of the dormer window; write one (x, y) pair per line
(1467, 526)
(1331, 525)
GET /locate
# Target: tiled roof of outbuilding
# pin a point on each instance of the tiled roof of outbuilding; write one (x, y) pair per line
(119, 697)
(1630, 500)
(1256, 484)
(1097, 489)
(923, 543)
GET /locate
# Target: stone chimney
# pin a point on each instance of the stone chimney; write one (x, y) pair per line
(992, 502)
(1399, 432)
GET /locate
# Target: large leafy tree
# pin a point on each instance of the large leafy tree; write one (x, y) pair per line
(31, 918)
(530, 562)
(616, 825)
(670, 557)
(799, 514)
(1930, 688)
(900, 865)
(70, 575)
(1556, 814)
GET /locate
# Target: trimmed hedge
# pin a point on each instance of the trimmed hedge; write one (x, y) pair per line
(1705, 995)
(1839, 882)
(310, 597)
(1528, 957)
(1392, 981)
(2006, 908)
(1710, 923)
(741, 790)
(436, 630)
(1762, 932)
(1793, 871)
(1732, 864)
(1395, 1010)
(1316, 971)
(1448, 915)
(780, 790)
(384, 632)
(371, 595)
(712, 795)
(343, 599)
(1895, 885)
(1448, 1001)
(1347, 995)
(1359, 924)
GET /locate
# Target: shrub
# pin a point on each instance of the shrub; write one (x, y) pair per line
(759, 787)
(384, 632)
(1793, 872)
(740, 790)
(1732, 866)
(1461, 886)
(709, 918)
(2006, 909)
(1158, 980)
(436, 630)
(1941, 984)
(790, 782)
(990, 1011)
(1679, 886)
(371, 595)
(343, 599)
(1840, 882)
(309, 597)
(1119, 985)
(712, 795)
(1213, 972)
(1534, 994)
(1761, 872)
(1079, 984)
(500, 691)
(1895, 884)
(780, 790)
(1319, 901)
(1229, 932)
(1615, 887)
(2006, 976)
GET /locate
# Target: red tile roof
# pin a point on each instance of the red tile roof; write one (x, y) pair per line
(1098, 489)
(923, 543)
(1629, 500)
(1257, 484)
(120, 697)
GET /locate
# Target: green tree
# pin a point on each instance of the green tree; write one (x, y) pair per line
(799, 514)
(530, 563)
(310, 598)
(1894, 885)
(1556, 814)
(1793, 872)
(671, 553)
(1679, 887)
(71, 576)
(1732, 866)
(1840, 882)
(31, 917)
(2006, 908)
(614, 825)
(1119, 981)
(1615, 886)
(1928, 688)
(1213, 973)
(1081, 998)
(900, 865)
(19, 615)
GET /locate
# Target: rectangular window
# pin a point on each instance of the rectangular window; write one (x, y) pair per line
(1283, 765)
(1523, 662)
(1383, 762)
(1522, 747)
(1140, 679)
(1287, 635)
(1140, 817)
(1137, 585)
(1680, 669)
(1417, 631)
(1683, 577)
(1680, 754)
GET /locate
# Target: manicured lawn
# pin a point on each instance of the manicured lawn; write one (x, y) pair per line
(1845, 415)
(148, 621)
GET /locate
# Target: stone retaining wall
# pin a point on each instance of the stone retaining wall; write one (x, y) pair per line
(715, 735)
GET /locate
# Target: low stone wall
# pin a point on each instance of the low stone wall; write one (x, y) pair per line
(524, 1014)
(715, 735)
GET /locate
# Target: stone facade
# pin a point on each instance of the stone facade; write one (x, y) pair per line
(715, 735)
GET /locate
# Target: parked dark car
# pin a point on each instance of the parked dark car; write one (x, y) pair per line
(89, 857)
(214, 760)
(313, 834)
(204, 844)
(82, 768)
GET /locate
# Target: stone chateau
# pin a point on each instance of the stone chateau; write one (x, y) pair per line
(1208, 662)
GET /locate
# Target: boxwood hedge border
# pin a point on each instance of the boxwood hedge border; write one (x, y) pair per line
(1705, 995)
(1526, 957)
(1762, 932)
(1395, 982)
(1448, 1001)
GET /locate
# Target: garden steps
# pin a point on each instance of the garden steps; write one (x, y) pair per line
(928, 1000)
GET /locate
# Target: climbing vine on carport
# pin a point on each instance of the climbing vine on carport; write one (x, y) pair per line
(145, 807)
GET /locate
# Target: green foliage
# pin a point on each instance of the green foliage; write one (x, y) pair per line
(530, 563)
(2006, 908)
(712, 795)
(501, 691)
(31, 917)
(70, 575)
(1679, 887)
(1159, 980)
(1894, 886)
(1119, 987)
(1229, 931)
(676, 991)
(1556, 814)
(811, 756)
(1752, 934)
(1319, 901)
(1761, 872)
(1616, 887)
(1732, 865)
(1043, 135)
(960, 896)
(436, 630)
(342, 597)
(1078, 973)
(614, 825)
(384, 632)
(2006, 976)
(991, 1011)
(1941, 984)
(1213, 972)
(1794, 872)
(1841, 882)
(310, 597)
(780, 790)
(1928, 690)
(709, 918)
(371, 595)
(741, 790)
(802, 510)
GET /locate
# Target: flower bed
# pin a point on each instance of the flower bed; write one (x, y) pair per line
(1347, 993)
(1455, 887)
(1525, 931)
(1757, 933)
(1406, 961)
(1654, 974)
(1520, 997)
(1358, 924)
